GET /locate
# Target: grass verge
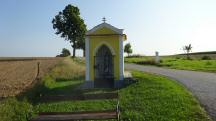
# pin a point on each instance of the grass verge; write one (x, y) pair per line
(157, 98)
(151, 98)
(177, 63)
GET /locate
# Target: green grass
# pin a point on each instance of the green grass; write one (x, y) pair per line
(177, 63)
(12, 109)
(137, 59)
(199, 65)
(158, 98)
(151, 98)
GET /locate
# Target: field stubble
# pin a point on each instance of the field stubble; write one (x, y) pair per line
(17, 75)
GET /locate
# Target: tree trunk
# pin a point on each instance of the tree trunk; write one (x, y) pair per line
(83, 53)
(188, 56)
(74, 52)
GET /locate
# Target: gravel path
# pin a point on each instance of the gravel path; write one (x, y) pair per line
(201, 84)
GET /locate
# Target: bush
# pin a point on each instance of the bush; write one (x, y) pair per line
(135, 56)
(147, 62)
(177, 57)
(161, 61)
(206, 57)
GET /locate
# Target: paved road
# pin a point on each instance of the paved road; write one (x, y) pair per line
(201, 84)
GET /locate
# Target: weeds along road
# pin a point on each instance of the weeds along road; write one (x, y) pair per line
(201, 84)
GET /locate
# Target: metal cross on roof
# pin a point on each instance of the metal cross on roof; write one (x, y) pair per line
(104, 19)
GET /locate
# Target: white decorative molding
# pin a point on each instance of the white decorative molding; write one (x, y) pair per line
(87, 49)
(119, 31)
(104, 43)
(121, 58)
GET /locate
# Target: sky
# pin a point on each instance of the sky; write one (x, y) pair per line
(150, 25)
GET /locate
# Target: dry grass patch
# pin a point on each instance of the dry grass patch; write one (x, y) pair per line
(67, 70)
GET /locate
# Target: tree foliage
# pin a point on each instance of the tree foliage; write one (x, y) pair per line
(65, 52)
(69, 25)
(188, 49)
(128, 49)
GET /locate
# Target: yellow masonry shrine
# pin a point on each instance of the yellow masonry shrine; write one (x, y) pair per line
(104, 56)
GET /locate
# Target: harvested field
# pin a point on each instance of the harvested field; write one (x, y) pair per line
(18, 74)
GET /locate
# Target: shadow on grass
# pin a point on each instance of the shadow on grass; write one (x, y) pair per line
(60, 79)
(34, 94)
(65, 87)
(64, 90)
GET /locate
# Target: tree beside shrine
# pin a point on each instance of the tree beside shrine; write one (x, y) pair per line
(70, 26)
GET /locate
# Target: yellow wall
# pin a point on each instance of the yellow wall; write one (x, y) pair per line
(113, 41)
